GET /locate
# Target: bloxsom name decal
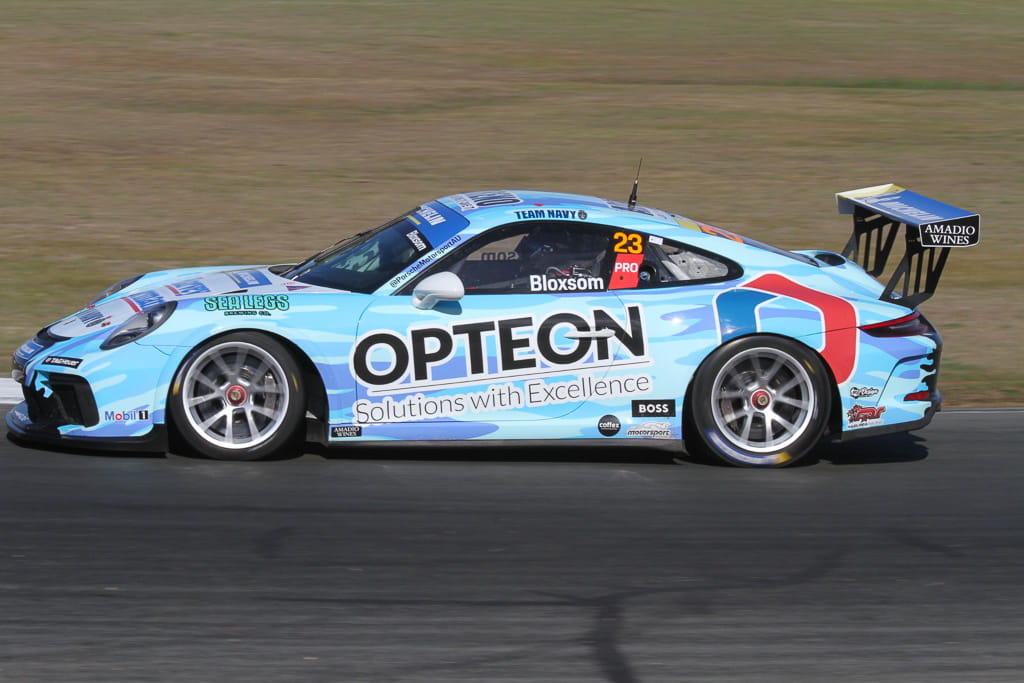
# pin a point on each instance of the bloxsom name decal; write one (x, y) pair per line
(387, 361)
(545, 283)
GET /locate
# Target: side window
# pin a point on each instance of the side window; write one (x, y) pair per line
(533, 257)
(666, 263)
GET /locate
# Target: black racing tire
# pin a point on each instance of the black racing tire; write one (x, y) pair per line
(760, 401)
(240, 396)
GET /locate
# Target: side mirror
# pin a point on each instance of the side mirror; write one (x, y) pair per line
(444, 286)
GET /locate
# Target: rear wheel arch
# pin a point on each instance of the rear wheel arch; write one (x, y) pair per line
(697, 416)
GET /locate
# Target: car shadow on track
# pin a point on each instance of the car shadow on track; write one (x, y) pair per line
(879, 450)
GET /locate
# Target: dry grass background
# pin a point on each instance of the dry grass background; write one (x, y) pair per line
(137, 134)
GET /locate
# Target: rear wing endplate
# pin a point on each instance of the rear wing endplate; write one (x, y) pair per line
(931, 229)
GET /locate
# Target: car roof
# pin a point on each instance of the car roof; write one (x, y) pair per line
(495, 206)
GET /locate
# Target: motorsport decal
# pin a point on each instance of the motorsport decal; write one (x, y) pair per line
(654, 407)
(545, 283)
(526, 347)
(864, 416)
(651, 430)
(481, 200)
(563, 214)
(63, 361)
(346, 431)
(424, 262)
(247, 304)
(125, 415)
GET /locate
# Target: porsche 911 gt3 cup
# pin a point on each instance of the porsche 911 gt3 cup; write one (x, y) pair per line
(516, 317)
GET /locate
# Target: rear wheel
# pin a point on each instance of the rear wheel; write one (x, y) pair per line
(239, 397)
(759, 402)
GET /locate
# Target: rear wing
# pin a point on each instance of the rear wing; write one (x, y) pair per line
(931, 229)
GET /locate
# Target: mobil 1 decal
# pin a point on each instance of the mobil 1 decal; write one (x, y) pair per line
(629, 256)
(496, 364)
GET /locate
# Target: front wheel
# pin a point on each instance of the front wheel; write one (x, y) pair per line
(759, 402)
(238, 397)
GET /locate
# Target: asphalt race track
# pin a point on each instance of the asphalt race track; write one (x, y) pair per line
(899, 559)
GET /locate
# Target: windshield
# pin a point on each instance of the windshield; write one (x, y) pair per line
(367, 260)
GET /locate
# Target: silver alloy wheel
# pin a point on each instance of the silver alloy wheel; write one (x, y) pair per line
(762, 400)
(235, 395)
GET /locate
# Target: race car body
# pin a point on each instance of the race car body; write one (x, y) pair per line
(511, 316)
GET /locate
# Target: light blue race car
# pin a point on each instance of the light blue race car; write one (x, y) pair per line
(516, 317)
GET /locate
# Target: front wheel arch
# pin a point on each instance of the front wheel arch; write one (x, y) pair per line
(305, 388)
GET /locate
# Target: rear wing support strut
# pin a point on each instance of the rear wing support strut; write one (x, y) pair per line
(930, 229)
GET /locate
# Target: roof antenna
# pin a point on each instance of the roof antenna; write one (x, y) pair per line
(636, 186)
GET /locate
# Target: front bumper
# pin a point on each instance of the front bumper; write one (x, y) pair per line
(70, 402)
(22, 429)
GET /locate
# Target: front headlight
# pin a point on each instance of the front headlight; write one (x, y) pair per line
(139, 325)
(116, 287)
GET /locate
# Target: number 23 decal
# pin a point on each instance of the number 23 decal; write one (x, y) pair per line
(628, 243)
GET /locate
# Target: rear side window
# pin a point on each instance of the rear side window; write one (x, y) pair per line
(664, 263)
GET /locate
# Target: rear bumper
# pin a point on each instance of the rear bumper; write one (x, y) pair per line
(853, 435)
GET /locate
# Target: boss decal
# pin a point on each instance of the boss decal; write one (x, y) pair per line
(653, 407)
(526, 347)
